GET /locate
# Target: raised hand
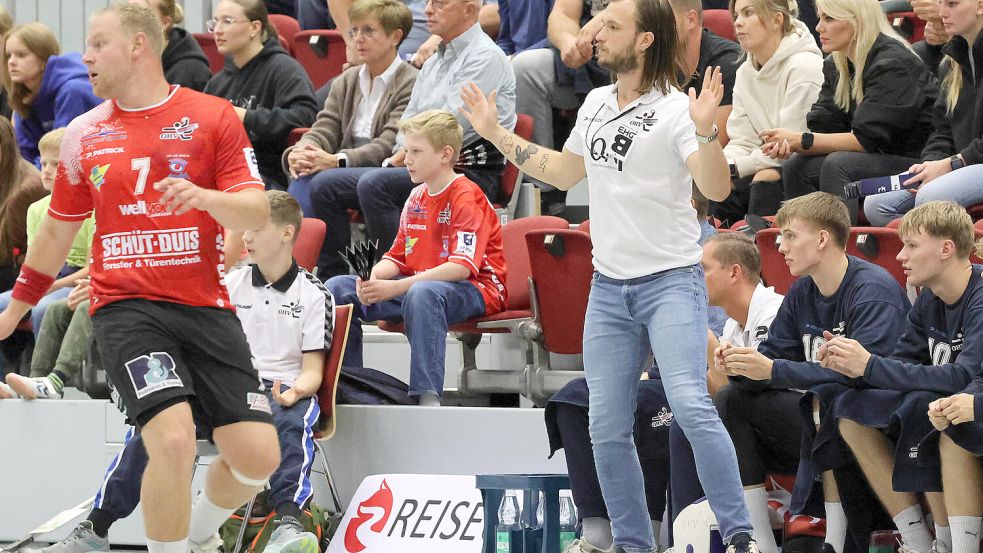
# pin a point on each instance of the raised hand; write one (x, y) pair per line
(703, 108)
(481, 112)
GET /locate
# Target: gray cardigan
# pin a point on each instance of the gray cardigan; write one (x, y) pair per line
(332, 130)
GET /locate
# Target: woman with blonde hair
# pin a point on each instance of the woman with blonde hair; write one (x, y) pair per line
(874, 112)
(778, 81)
(46, 89)
(951, 161)
(184, 61)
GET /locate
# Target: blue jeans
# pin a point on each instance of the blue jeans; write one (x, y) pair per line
(37, 312)
(427, 310)
(665, 313)
(963, 186)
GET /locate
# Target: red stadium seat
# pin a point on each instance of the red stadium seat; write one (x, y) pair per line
(321, 52)
(562, 266)
(584, 227)
(216, 61)
(909, 25)
(518, 313)
(295, 135)
(879, 245)
(287, 27)
(511, 176)
(976, 212)
(308, 244)
(720, 23)
(774, 271)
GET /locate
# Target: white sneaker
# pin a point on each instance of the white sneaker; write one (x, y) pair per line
(81, 540)
(34, 388)
(938, 547)
(290, 537)
(582, 546)
(213, 544)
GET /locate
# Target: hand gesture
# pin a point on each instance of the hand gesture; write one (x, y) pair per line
(287, 398)
(746, 362)
(843, 355)
(780, 143)
(703, 108)
(928, 171)
(481, 112)
(181, 195)
(958, 409)
(936, 416)
(719, 356)
(375, 291)
(79, 294)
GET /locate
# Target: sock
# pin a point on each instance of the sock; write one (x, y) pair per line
(914, 531)
(656, 529)
(101, 521)
(836, 526)
(180, 546)
(757, 505)
(206, 519)
(597, 532)
(288, 509)
(429, 400)
(943, 537)
(965, 534)
(57, 379)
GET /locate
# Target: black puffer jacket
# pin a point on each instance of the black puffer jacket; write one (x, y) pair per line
(895, 116)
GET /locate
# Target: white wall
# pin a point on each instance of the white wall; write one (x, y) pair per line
(68, 17)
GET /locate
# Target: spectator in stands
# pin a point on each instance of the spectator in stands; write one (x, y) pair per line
(732, 266)
(930, 48)
(873, 114)
(567, 427)
(446, 264)
(271, 92)
(184, 61)
(938, 354)
(288, 349)
(6, 23)
(46, 90)
(76, 266)
(560, 77)
(20, 186)
(523, 25)
(466, 55)
(838, 293)
(358, 125)
(951, 168)
(61, 347)
(778, 81)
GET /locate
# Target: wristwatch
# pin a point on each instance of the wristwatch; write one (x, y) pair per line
(709, 138)
(733, 170)
(342, 162)
(807, 139)
(956, 162)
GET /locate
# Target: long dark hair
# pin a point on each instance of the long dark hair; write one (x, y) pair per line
(662, 60)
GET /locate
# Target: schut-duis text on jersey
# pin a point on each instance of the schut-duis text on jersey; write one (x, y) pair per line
(110, 159)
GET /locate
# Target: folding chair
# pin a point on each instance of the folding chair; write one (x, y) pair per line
(308, 244)
(719, 22)
(774, 271)
(321, 52)
(879, 245)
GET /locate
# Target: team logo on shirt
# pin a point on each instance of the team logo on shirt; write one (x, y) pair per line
(97, 176)
(761, 333)
(410, 244)
(662, 418)
(153, 372)
(258, 402)
(445, 250)
(251, 162)
(467, 244)
(444, 217)
(416, 211)
(104, 134)
(177, 168)
(180, 130)
(291, 309)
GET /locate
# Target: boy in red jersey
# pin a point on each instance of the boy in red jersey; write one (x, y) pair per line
(446, 265)
(165, 169)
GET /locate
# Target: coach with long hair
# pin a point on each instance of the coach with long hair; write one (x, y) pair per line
(648, 293)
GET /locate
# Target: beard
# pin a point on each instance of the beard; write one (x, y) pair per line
(619, 62)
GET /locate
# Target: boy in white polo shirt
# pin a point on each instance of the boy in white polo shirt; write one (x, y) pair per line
(288, 318)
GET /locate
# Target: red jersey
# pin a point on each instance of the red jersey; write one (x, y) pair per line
(458, 225)
(110, 160)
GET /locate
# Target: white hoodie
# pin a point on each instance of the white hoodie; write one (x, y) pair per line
(777, 95)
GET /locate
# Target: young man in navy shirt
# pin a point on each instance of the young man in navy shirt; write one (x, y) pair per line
(839, 294)
(939, 353)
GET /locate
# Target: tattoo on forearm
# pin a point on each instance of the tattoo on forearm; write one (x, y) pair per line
(506, 143)
(543, 161)
(523, 155)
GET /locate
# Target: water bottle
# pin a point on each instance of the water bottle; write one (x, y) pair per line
(508, 520)
(568, 520)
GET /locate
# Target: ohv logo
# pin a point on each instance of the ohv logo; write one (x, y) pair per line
(376, 508)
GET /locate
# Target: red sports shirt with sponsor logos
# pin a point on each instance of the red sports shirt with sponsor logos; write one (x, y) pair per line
(457, 225)
(110, 160)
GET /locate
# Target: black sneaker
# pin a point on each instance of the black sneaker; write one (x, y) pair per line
(742, 543)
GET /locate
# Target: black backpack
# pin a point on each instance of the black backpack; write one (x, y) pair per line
(364, 386)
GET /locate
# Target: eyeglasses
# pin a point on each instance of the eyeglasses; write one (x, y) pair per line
(439, 4)
(215, 23)
(367, 31)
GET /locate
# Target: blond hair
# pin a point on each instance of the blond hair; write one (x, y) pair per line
(868, 21)
(6, 21)
(942, 219)
(391, 14)
(736, 248)
(284, 210)
(52, 140)
(41, 41)
(438, 127)
(135, 19)
(821, 210)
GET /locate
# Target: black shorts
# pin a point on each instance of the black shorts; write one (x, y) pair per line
(157, 354)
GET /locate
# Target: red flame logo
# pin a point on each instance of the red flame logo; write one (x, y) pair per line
(366, 511)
